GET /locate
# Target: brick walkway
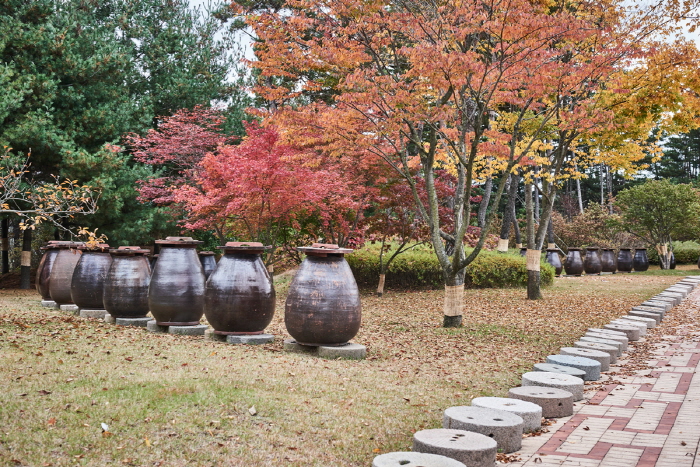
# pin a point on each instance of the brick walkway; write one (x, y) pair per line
(646, 410)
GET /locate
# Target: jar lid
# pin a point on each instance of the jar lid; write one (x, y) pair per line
(625, 248)
(179, 241)
(100, 247)
(129, 251)
(324, 249)
(574, 249)
(206, 253)
(246, 247)
(64, 244)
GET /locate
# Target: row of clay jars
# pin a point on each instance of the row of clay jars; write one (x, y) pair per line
(593, 264)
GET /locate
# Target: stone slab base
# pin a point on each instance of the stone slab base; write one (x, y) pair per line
(92, 313)
(348, 351)
(210, 335)
(70, 308)
(138, 322)
(109, 319)
(48, 303)
(255, 339)
(197, 330)
(290, 345)
(151, 326)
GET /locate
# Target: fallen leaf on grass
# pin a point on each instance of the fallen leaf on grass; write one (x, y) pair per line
(44, 392)
(51, 421)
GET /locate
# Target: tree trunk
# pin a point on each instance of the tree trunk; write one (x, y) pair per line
(578, 196)
(484, 205)
(533, 255)
(26, 264)
(453, 308)
(380, 287)
(5, 228)
(664, 256)
(550, 234)
(536, 195)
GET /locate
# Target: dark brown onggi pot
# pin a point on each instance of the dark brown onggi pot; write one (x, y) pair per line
(640, 262)
(61, 275)
(624, 260)
(176, 291)
(240, 297)
(43, 272)
(573, 266)
(672, 261)
(592, 263)
(323, 304)
(523, 252)
(89, 277)
(608, 261)
(208, 260)
(552, 257)
(125, 293)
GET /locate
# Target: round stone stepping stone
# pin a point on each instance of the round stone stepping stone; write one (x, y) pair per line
(472, 449)
(659, 304)
(602, 357)
(675, 293)
(598, 340)
(609, 349)
(529, 412)
(504, 427)
(628, 322)
(620, 339)
(591, 368)
(632, 333)
(196, 330)
(656, 317)
(679, 290)
(650, 322)
(673, 300)
(651, 309)
(555, 403)
(414, 459)
(568, 383)
(349, 351)
(563, 369)
(607, 331)
(290, 345)
(138, 322)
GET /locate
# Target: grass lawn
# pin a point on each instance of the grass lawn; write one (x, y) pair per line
(175, 400)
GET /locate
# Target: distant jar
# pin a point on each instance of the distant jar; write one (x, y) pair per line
(624, 260)
(176, 291)
(89, 277)
(573, 266)
(672, 261)
(608, 261)
(208, 260)
(523, 252)
(125, 293)
(240, 296)
(61, 275)
(43, 272)
(640, 262)
(552, 257)
(592, 264)
(323, 304)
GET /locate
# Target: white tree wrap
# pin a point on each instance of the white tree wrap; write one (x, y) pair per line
(454, 300)
(533, 260)
(26, 258)
(503, 244)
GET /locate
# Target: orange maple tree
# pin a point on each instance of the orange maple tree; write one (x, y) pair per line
(473, 88)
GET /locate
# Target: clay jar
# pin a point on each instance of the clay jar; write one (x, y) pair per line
(640, 262)
(607, 260)
(672, 261)
(240, 297)
(552, 257)
(125, 292)
(89, 276)
(43, 272)
(62, 272)
(176, 291)
(624, 260)
(592, 263)
(323, 304)
(573, 264)
(208, 261)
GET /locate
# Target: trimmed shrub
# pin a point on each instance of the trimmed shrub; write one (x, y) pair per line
(685, 253)
(419, 269)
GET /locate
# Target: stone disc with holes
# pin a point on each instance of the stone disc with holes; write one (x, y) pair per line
(504, 427)
(473, 449)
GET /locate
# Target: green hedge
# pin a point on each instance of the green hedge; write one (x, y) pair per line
(419, 269)
(685, 253)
